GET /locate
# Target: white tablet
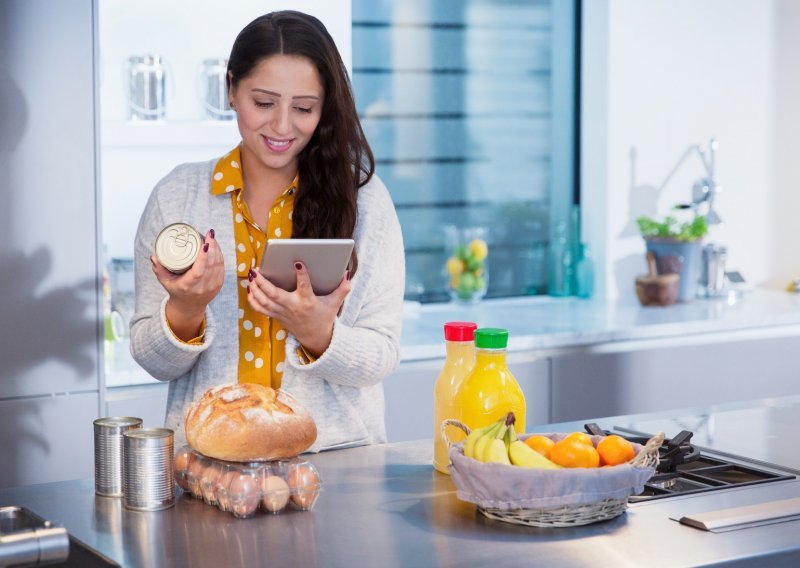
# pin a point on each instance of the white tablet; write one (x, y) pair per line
(325, 259)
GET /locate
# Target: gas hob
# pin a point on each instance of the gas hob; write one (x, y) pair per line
(688, 469)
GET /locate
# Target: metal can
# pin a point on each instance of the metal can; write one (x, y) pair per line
(108, 434)
(177, 247)
(148, 482)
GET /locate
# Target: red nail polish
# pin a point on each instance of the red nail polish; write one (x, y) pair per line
(251, 275)
(298, 266)
(211, 233)
(248, 288)
(205, 247)
(347, 275)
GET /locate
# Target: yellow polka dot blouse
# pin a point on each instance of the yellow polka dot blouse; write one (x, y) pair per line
(261, 339)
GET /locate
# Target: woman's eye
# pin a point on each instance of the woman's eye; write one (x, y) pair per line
(305, 110)
(263, 105)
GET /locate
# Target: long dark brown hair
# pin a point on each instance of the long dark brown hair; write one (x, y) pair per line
(337, 160)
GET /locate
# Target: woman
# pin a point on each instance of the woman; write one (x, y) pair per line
(303, 169)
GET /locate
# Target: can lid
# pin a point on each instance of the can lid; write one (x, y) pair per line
(149, 433)
(491, 338)
(459, 330)
(117, 421)
(177, 246)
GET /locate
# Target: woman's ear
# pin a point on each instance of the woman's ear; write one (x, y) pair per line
(231, 92)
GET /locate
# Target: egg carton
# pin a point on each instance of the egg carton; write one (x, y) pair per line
(243, 489)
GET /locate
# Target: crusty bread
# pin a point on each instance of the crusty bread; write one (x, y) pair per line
(248, 422)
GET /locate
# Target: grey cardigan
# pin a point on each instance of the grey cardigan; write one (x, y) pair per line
(342, 389)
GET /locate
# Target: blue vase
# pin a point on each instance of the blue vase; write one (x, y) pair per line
(681, 257)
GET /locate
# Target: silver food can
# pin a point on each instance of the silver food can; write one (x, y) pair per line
(148, 482)
(108, 434)
(177, 247)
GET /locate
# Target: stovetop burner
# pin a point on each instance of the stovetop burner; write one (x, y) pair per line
(684, 469)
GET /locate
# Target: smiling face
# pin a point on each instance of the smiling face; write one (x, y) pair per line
(278, 107)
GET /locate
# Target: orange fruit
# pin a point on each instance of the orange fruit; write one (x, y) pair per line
(541, 444)
(615, 450)
(581, 437)
(573, 453)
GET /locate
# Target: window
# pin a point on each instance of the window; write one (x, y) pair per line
(469, 106)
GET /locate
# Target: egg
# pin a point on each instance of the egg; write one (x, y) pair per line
(244, 494)
(197, 465)
(179, 467)
(304, 485)
(223, 483)
(275, 493)
(208, 482)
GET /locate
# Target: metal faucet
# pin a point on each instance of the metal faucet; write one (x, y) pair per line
(704, 189)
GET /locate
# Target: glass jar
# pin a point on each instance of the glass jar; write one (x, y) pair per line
(466, 266)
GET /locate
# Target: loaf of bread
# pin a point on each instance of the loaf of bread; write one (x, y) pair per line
(248, 422)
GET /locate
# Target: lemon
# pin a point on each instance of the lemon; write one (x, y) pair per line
(455, 266)
(478, 248)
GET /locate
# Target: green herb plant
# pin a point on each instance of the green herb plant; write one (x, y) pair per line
(671, 229)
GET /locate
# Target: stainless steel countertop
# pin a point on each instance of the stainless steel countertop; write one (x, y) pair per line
(385, 506)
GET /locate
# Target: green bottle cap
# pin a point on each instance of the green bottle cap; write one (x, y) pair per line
(491, 338)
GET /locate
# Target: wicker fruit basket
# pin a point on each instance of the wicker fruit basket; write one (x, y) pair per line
(550, 497)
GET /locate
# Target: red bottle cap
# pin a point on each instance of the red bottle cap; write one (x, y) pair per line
(460, 331)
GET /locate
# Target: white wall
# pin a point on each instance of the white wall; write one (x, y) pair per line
(663, 74)
(135, 155)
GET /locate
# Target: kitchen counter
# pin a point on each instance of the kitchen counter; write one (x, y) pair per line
(559, 325)
(549, 324)
(384, 505)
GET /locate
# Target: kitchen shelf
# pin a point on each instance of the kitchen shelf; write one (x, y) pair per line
(140, 133)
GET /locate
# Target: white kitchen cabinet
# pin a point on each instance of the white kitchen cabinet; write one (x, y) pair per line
(48, 438)
(148, 402)
(409, 394)
(50, 377)
(699, 371)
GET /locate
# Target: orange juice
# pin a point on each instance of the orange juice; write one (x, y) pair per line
(490, 391)
(460, 345)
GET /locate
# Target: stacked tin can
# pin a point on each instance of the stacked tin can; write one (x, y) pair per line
(108, 434)
(148, 483)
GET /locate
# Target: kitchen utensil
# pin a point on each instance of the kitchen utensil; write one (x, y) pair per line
(146, 85)
(743, 517)
(26, 538)
(655, 289)
(215, 89)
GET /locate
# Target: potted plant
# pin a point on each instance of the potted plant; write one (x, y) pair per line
(676, 246)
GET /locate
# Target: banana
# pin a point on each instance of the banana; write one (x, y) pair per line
(522, 455)
(472, 437)
(495, 450)
(483, 440)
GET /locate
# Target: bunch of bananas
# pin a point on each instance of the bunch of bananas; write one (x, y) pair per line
(498, 443)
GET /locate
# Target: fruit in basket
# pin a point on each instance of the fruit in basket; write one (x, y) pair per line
(474, 436)
(541, 444)
(483, 439)
(581, 437)
(571, 452)
(522, 455)
(615, 450)
(496, 450)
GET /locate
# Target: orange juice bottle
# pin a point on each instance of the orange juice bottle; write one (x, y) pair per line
(490, 391)
(460, 345)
